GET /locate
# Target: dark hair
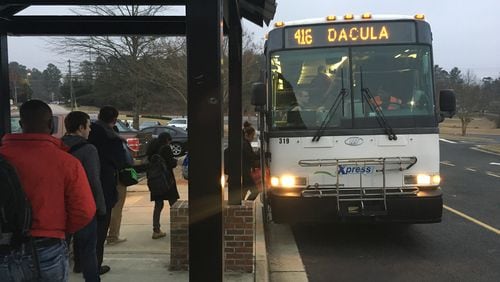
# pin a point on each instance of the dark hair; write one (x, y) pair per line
(36, 117)
(108, 114)
(249, 130)
(246, 124)
(157, 143)
(74, 119)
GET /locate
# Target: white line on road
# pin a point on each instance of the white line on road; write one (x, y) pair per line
(447, 141)
(470, 169)
(482, 224)
(492, 174)
(447, 163)
(494, 163)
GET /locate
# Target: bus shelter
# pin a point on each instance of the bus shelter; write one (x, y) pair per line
(204, 24)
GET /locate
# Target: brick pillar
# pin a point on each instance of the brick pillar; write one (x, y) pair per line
(179, 241)
(239, 224)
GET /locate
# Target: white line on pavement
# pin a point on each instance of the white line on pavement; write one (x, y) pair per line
(447, 163)
(447, 141)
(470, 169)
(494, 163)
(492, 174)
(482, 224)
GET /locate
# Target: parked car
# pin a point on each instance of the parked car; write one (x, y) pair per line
(179, 122)
(148, 124)
(179, 137)
(58, 113)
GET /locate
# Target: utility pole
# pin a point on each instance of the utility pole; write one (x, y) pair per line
(72, 95)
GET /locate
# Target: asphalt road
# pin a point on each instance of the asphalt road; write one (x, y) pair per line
(457, 249)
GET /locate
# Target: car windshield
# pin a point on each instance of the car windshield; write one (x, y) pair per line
(322, 87)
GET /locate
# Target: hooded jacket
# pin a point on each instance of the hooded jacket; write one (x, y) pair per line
(54, 181)
(88, 156)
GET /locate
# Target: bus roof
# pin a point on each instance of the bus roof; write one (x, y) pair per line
(357, 18)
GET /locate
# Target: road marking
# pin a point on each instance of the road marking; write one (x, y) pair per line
(482, 224)
(470, 169)
(447, 141)
(484, 151)
(492, 174)
(494, 163)
(447, 163)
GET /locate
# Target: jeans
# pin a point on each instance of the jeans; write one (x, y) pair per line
(84, 245)
(156, 215)
(19, 265)
(116, 213)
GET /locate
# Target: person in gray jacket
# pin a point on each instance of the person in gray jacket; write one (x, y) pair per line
(84, 245)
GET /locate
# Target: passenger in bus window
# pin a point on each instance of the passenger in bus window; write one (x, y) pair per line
(383, 100)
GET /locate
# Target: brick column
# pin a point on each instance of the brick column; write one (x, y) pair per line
(179, 242)
(239, 224)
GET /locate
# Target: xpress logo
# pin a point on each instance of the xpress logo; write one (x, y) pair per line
(356, 169)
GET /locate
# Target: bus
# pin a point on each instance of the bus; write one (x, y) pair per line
(350, 120)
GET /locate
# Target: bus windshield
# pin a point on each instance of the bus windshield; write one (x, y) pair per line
(313, 88)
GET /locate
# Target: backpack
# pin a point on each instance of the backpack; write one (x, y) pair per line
(159, 180)
(15, 209)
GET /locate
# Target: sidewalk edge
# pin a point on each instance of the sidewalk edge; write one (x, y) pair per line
(261, 262)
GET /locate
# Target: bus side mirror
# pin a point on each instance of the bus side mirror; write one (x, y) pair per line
(258, 94)
(447, 103)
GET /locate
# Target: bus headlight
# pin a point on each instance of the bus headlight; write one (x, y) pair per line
(422, 179)
(287, 181)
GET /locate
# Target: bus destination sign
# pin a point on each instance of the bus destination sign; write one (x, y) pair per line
(349, 34)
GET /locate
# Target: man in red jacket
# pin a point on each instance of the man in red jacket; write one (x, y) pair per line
(55, 184)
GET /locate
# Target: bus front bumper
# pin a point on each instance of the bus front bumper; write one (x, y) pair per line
(291, 207)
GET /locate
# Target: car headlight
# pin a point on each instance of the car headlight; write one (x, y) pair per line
(422, 179)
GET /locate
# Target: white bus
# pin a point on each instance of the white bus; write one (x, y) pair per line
(351, 120)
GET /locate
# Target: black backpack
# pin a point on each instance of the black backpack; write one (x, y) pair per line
(159, 179)
(15, 209)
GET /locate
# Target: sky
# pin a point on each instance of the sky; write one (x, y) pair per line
(465, 33)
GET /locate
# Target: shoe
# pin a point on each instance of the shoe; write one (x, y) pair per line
(158, 234)
(116, 241)
(104, 269)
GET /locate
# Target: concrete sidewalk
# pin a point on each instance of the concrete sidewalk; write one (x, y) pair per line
(143, 259)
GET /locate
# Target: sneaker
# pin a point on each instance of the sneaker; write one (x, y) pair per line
(116, 241)
(158, 234)
(104, 269)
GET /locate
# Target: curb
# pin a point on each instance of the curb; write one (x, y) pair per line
(261, 263)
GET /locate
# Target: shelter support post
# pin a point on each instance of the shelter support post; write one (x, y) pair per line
(235, 104)
(4, 87)
(205, 122)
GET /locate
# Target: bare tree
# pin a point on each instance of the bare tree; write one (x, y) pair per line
(468, 96)
(128, 51)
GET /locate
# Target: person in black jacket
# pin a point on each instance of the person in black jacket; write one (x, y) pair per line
(248, 161)
(161, 146)
(112, 158)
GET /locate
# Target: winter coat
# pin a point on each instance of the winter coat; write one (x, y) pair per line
(166, 153)
(248, 160)
(54, 181)
(88, 156)
(112, 158)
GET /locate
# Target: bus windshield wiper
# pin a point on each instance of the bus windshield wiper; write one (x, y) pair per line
(381, 120)
(333, 109)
